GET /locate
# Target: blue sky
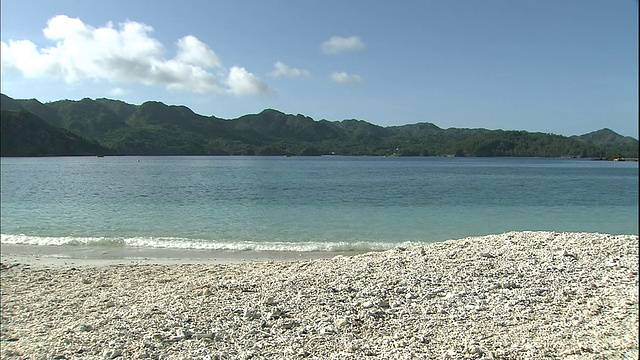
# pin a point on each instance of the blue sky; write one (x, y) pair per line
(563, 67)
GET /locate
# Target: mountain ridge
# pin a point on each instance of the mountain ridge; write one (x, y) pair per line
(160, 129)
(25, 134)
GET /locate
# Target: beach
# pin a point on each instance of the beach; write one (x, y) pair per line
(516, 295)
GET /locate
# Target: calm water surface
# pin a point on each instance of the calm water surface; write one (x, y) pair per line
(306, 203)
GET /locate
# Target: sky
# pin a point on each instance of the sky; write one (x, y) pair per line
(566, 67)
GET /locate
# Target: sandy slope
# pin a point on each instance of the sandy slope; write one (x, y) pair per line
(519, 295)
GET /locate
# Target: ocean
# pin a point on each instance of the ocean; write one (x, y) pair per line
(305, 204)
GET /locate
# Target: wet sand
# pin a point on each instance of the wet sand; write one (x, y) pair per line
(57, 256)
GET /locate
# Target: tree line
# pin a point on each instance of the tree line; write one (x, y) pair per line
(114, 127)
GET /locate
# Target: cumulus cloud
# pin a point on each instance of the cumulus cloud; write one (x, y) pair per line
(126, 54)
(338, 45)
(241, 82)
(22, 56)
(282, 69)
(344, 77)
(193, 51)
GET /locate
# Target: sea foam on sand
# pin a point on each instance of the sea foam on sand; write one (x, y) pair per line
(514, 295)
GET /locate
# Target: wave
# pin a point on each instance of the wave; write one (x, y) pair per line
(201, 244)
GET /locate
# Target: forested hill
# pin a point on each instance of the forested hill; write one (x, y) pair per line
(25, 134)
(153, 128)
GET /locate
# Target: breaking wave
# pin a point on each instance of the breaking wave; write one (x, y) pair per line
(200, 244)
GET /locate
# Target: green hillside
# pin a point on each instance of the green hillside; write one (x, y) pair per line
(160, 129)
(611, 143)
(24, 134)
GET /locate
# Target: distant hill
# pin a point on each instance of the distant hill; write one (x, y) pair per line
(160, 129)
(23, 133)
(607, 137)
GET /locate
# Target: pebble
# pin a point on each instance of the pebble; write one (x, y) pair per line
(513, 295)
(341, 322)
(111, 354)
(270, 300)
(184, 333)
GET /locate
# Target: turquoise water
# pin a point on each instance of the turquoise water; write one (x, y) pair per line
(306, 203)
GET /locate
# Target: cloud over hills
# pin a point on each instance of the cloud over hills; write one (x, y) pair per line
(129, 53)
(126, 54)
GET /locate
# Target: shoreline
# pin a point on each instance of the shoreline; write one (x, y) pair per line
(60, 256)
(95, 256)
(531, 295)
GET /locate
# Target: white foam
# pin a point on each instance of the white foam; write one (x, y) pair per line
(198, 244)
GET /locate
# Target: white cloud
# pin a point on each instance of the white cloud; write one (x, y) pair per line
(282, 69)
(344, 77)
(22, 56)
(193, 51)
(338, 45)
(241, 82)
(126, 54)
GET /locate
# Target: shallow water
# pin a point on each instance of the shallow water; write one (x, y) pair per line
(306, 203)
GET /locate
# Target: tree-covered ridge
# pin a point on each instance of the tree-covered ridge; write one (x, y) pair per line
(24, 134)
(157, 128)
(607, 138)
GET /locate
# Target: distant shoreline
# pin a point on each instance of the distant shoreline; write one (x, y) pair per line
(326, 155)
(157, 128)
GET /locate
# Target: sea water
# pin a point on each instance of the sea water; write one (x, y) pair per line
(306, 203)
